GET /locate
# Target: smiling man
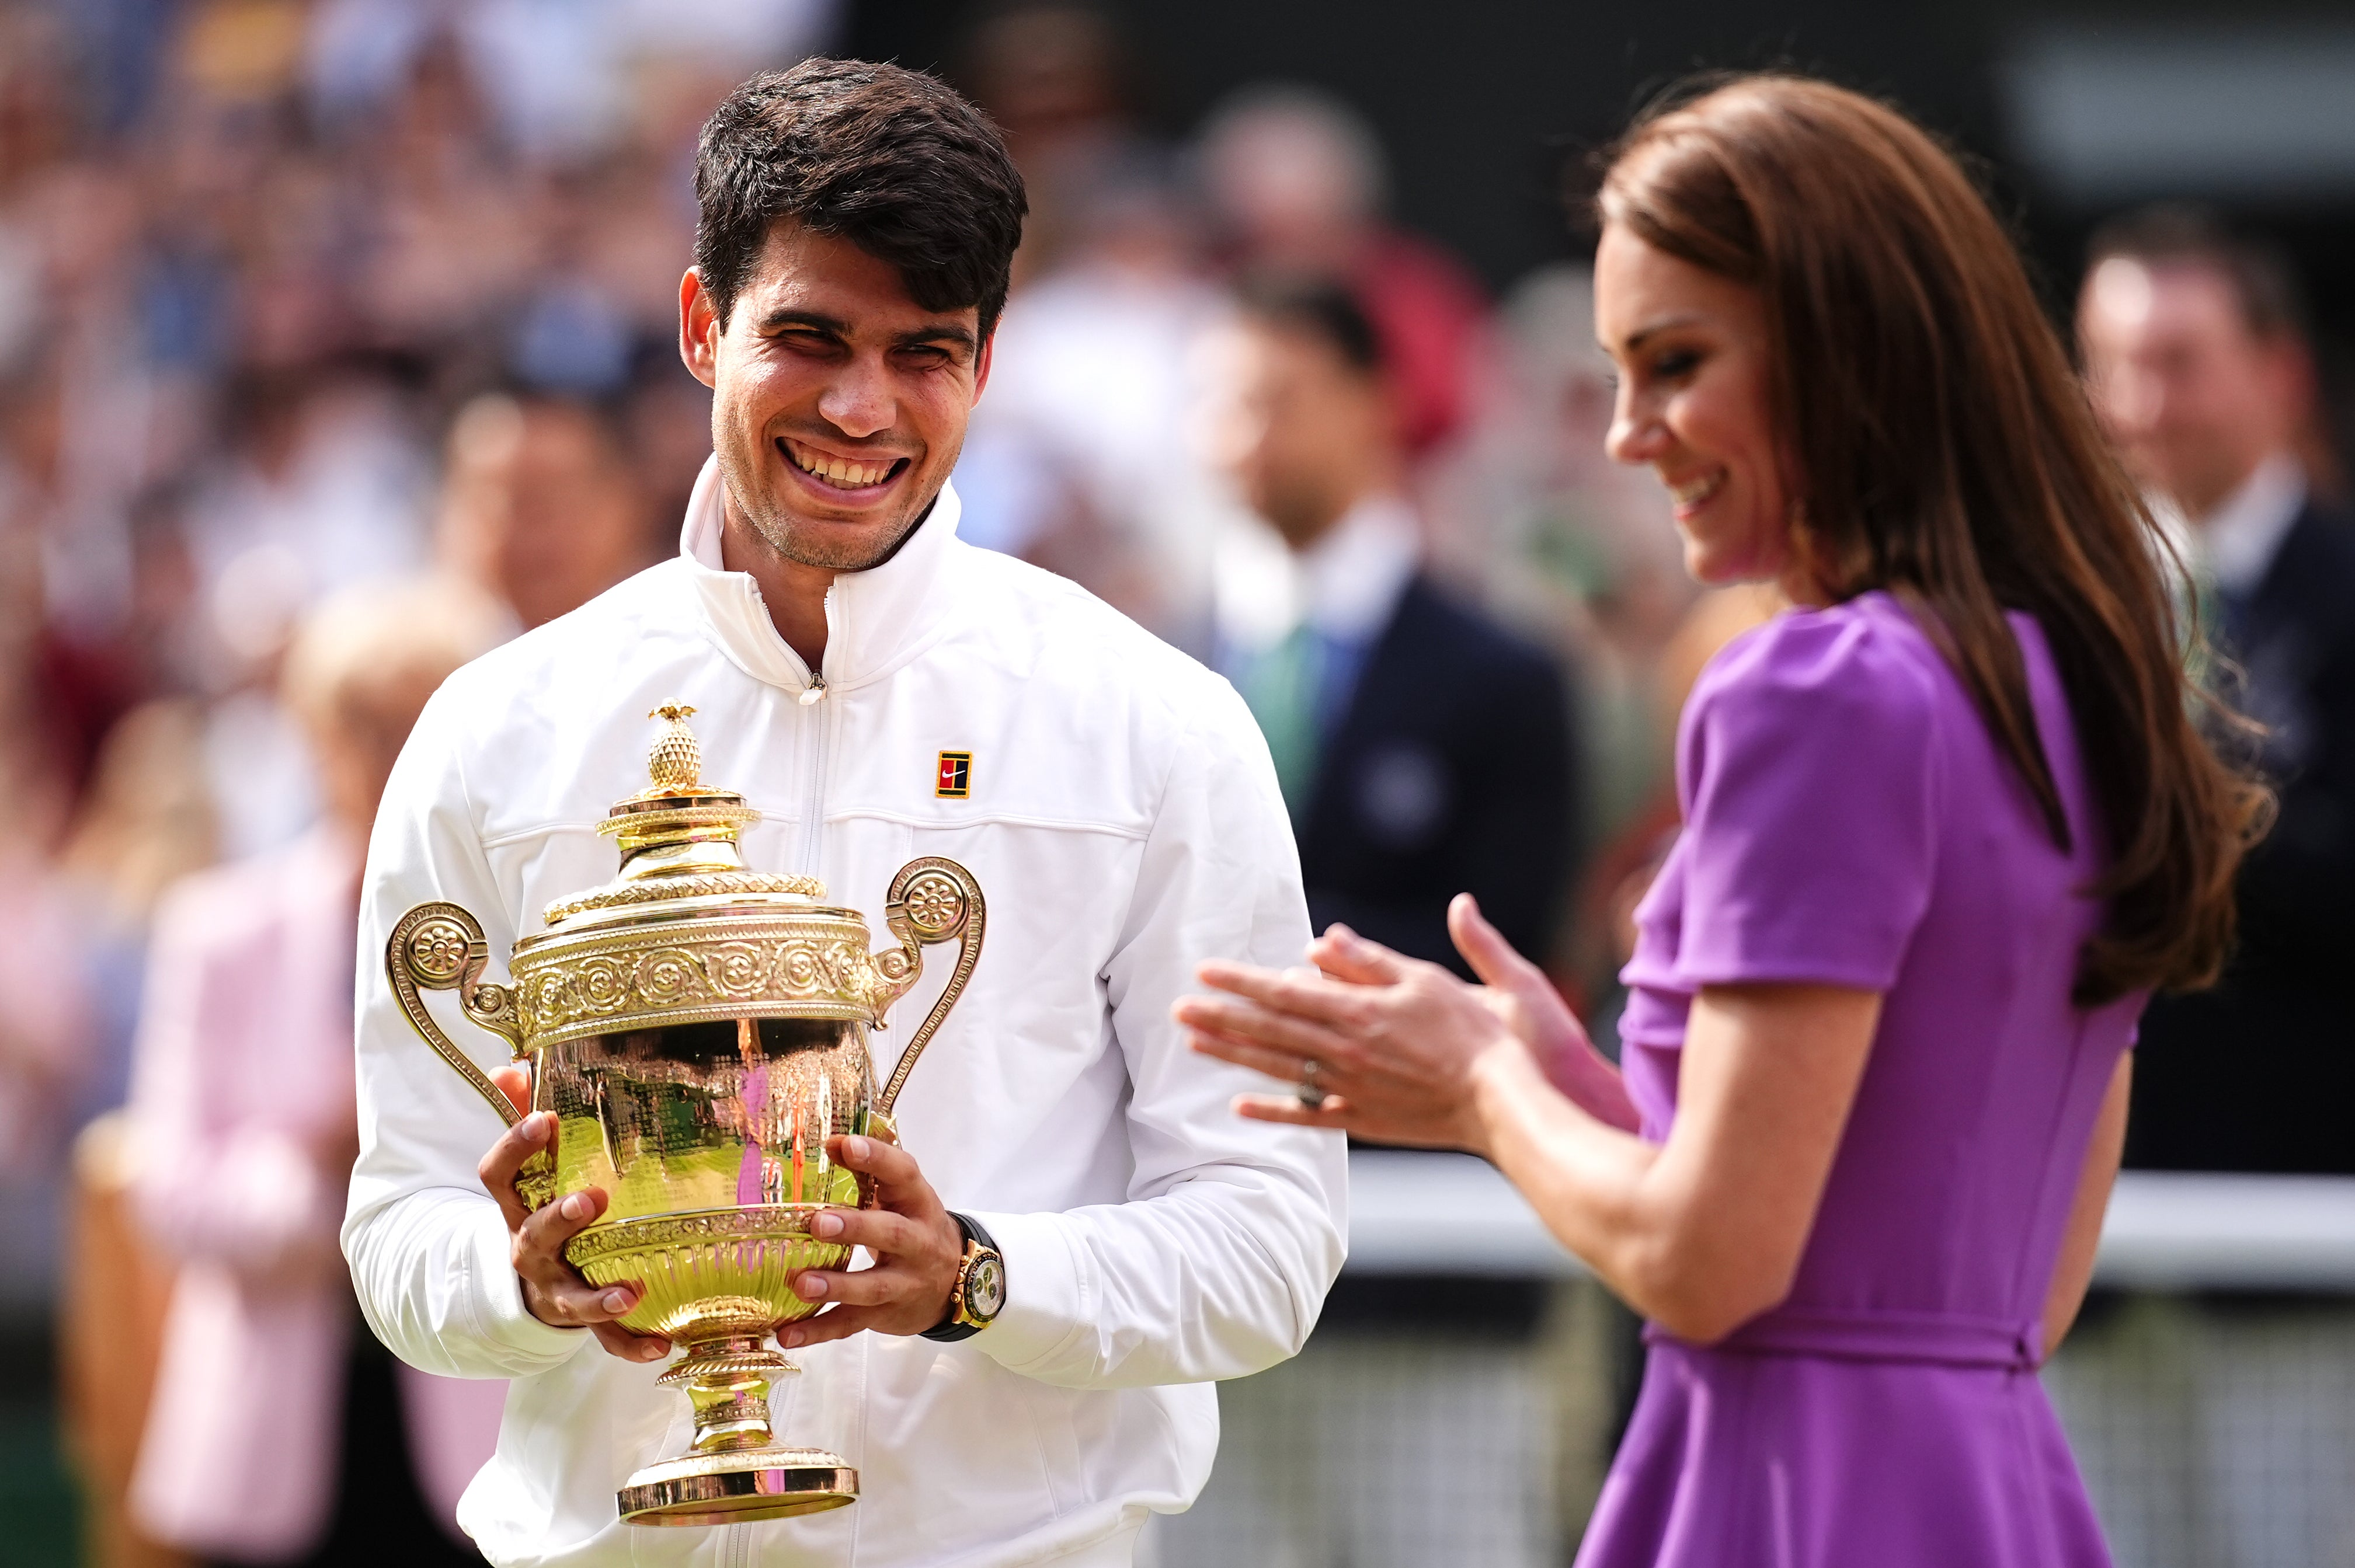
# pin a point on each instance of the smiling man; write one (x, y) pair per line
(878, 690)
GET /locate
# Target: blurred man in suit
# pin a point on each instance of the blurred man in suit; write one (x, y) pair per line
(1423, 750)
(2197, 356)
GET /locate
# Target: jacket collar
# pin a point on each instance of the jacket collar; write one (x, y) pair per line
(876, 620)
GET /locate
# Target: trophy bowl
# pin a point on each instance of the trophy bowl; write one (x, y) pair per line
(698, 1030)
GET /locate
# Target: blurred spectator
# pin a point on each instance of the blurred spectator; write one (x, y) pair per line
(541, 505)
(275, 1432)
(2195, 348)
(1299, 180)
(1423, 750)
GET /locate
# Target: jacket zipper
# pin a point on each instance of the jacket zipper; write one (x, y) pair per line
(813, 695)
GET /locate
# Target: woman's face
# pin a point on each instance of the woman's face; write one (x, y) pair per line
(1691, 347)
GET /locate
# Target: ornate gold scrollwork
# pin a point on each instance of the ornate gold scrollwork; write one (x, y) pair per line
(931, 900)
(439, 947)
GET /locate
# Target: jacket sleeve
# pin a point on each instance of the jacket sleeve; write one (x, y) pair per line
(215, 1186)
(428, 1247)
(1218, 1263)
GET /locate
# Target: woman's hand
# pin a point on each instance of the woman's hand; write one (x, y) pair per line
(1392, 1043)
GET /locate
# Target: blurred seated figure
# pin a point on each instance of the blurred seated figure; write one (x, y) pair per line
(541, 504)
(276, 1430)
(1298, 178)
(2195, 347)
(1423, 750)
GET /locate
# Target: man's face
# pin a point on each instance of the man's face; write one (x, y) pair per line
(2193, 397)
(1303, 433)
(839, 403)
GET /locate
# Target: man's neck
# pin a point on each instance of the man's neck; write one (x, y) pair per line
(794, 592)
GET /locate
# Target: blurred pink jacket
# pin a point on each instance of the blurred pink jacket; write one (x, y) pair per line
(243, 1068)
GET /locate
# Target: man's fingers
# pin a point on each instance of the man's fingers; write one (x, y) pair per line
(630, 1346)
(513, 1079)
(1345, 956)
(836, 1323)
(890, 1165)
(880, 1230)
(547, 1230)
(880, 1286)
(506, 1157)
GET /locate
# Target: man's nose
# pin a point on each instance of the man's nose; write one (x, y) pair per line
(858, 401)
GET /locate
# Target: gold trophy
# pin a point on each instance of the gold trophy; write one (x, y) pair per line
(700, 1029)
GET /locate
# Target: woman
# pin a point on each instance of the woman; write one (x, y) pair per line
(1947, 822)
(280, 1430)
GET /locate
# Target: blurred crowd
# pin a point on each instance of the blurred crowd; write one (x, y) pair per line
(311, 308)
(337, 339)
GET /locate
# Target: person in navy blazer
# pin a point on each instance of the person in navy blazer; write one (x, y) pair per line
(1423, 750)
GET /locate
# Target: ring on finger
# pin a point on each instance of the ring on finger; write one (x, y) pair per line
(1309, 1092)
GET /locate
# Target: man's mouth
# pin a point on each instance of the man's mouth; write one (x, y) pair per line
(842, 473)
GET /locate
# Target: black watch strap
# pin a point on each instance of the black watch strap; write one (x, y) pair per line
(948, 1330)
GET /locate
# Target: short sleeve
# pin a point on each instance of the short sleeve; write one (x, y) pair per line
(1808, 767)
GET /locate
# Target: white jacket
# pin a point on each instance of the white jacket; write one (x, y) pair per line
(1123, 824)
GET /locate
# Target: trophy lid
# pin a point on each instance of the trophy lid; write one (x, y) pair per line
(678, 838)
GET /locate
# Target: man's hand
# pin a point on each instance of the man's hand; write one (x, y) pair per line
(916, 1245)
(553, 1292)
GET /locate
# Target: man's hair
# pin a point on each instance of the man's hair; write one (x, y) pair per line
(893, 159)
(2263, 283)
(1320, 308)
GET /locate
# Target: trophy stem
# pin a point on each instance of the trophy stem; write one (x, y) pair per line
(728, 1382)
(733, 1473)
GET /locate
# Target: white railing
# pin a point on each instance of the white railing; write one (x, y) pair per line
(1451, 1213)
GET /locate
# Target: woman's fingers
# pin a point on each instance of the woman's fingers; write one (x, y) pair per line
(1272, 1026)
(1345, 956)
(1246, 1054)
(1303, 992)
(1334, 1113)
(1492, 958)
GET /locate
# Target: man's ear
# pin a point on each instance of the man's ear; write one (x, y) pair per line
(982, 362)
(698, 329)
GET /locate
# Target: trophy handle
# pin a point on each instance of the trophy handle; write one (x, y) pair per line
(931, 900)
(439, 947)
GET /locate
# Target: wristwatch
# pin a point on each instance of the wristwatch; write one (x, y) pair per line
(979, 1293)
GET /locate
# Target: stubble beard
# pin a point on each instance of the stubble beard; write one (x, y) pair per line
(782, 533)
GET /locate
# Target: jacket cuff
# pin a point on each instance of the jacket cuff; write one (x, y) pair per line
(497, 1293)
(1049, 1293)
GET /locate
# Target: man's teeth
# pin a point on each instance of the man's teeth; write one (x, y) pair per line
(1692, 493)
(840, 471)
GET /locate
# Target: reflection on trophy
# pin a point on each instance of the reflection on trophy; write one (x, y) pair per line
(699, 1031)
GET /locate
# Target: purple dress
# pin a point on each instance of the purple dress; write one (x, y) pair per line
(1850, 821)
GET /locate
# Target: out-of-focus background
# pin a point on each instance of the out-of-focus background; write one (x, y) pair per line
(306, 303)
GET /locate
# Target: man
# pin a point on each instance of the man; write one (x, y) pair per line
(835, 638)
(1422, 750)
(541, 502)
(2198, 363)
(2197, 360)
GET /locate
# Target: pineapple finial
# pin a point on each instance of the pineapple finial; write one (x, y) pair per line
(675, 763)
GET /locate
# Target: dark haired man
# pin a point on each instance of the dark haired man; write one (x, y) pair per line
(836, 641)
(2196, 357)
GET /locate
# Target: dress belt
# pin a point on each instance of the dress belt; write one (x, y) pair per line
(1859, 1335)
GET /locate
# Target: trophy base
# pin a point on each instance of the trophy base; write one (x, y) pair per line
(738, 1486)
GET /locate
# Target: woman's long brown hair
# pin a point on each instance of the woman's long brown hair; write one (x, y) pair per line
(1945, 453)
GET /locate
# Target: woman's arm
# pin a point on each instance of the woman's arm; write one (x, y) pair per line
(1702, 1233)
(2075, 1270)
